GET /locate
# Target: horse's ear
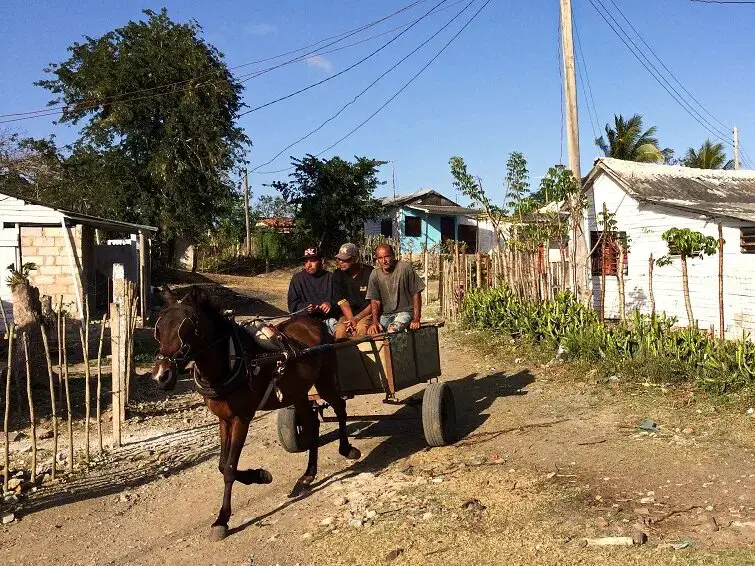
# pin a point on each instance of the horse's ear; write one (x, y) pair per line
(168, 296)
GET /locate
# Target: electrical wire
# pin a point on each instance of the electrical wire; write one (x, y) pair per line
(591, 99)
(656, 74)
(391, 68)
(346, 70)
(396, 94)
(339, 37)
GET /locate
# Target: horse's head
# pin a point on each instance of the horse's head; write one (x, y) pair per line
(181, 331)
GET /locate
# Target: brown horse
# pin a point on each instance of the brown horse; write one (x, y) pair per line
(235, 385)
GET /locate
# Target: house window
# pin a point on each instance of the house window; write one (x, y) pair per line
(386, 227)
(607, 262)
(747, 240)
(412, 226)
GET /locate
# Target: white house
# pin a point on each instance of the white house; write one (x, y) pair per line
(647, 200)
(69, 262)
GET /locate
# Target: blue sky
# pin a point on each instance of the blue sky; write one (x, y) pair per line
(496, 89)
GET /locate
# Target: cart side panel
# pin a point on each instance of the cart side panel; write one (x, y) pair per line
(403, 360)
(427, 352)
(361, 367)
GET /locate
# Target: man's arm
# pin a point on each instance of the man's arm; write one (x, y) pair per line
(417, 307)
(295, 300)
(375, 327)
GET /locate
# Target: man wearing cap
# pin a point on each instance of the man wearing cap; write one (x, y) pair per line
(350, 283)
(311, 290)
(395, 293)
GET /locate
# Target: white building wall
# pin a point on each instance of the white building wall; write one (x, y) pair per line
(644, 223)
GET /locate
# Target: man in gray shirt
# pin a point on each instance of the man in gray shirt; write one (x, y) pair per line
(395, 293)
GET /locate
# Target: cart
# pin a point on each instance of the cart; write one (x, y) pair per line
(386, 363)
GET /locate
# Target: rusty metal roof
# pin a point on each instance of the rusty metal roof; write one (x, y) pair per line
(711, 192)
(444, 210)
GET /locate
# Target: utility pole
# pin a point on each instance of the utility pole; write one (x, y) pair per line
(736, 148)
(394, 178)
(578, 249)
(246, 213)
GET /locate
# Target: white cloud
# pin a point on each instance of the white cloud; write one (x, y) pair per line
(260, 30)
(319, 62)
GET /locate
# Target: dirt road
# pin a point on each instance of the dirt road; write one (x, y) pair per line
(546, 459)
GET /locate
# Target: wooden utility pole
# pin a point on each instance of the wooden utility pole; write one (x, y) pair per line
(246, 213)
(579, 248)
(736, 148)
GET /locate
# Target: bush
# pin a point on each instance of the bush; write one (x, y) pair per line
(648, 347)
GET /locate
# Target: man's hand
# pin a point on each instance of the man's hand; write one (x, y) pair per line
(374, 329)
(311, 308)
(414, 325)
(324, 307)
(351, 324)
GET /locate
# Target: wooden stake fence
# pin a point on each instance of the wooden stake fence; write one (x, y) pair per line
(53, 403)
(8, 374)
(32, 416)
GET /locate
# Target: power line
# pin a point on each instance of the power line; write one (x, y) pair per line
(724, 1)
(659, 77)
(338, 37)
(346, 70)
(724, 126)
(587, 76)
(590, 113)
(391, 68)
(398, 92)
(559, 55)
(245, 77)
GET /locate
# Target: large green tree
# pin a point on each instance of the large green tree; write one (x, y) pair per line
(709, 156)
(333, 197)
(627, 140)
(157, 106)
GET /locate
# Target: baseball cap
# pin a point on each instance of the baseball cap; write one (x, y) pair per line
(347, 251)
(312, 252)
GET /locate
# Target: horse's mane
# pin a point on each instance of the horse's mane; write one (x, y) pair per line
(204, 302)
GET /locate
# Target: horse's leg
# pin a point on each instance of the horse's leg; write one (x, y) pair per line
(310, 429)
(237, 432)
(328, 392)
(224, 442)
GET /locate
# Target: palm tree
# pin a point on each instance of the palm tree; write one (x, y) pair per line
(627, 141)
(709, 156)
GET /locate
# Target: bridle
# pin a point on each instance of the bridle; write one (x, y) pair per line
(184, 354)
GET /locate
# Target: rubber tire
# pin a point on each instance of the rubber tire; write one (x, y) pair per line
(439, 414)
(289, 431)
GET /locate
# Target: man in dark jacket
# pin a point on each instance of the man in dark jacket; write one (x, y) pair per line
(311, 290)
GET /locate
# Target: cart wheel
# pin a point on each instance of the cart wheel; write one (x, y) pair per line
(439, 414)
(290, 433)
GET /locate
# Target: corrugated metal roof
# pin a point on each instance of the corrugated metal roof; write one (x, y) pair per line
(401, 199)
(712, 192)
(445, 210)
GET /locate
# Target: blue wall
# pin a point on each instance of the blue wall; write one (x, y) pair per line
(433, 230)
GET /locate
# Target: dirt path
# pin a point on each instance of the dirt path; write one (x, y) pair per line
(545, 460)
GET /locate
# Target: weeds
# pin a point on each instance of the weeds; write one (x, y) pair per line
(647, 347)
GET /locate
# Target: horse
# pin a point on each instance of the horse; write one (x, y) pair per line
(235, 386)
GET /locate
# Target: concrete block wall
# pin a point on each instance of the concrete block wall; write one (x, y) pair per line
(48, 249)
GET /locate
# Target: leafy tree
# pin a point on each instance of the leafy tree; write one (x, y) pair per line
(268, 206)
(687, 244)
(333, 197)
(517, 183)
(709, 156)
(158, 141)
(627, 140)
(471, 187)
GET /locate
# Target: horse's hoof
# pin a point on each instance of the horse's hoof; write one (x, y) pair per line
(302, 486)
(352, 453)
(264, 476)
(218, 532)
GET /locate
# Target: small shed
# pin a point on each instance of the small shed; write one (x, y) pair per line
(425, 217)
(648, 199)
(69, 260)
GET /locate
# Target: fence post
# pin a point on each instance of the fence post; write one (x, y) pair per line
(119, 348)
(117, 400)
